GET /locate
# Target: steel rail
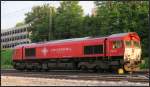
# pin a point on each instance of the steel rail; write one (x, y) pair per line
(72, 75)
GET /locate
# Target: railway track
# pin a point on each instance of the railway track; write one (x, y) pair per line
(79, 75)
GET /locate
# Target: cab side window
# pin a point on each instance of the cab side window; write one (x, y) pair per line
(136, 44)
(116, 44)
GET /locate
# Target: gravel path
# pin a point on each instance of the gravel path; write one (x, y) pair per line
(29, 81)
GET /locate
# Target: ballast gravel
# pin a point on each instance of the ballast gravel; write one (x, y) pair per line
(30, 81)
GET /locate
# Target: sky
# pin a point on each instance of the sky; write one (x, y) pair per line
(13, 12)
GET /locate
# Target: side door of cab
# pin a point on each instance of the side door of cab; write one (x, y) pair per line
(114, 47)
(17, 54)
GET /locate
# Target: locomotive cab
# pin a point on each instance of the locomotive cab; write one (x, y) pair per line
(127, 47)
(132, 52)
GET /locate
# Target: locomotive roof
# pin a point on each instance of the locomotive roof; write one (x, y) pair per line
(65, 40)
(121, 34)
(80, 39)
(74, 39)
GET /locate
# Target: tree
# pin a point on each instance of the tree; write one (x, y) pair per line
(91, 26)
(19, 24)
(124, 16)
(40, 19)
(68, 20)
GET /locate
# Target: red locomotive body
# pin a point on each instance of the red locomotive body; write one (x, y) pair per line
(68, 49)
(81, 53)
(17, 54)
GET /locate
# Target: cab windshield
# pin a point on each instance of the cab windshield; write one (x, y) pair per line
(132, 43)
(128, 43)
(136, 44)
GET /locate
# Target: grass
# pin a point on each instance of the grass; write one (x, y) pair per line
(6, 58)
(6, 67)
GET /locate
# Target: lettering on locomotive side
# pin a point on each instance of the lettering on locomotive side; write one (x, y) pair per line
(61, 49)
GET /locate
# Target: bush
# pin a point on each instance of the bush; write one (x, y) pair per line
(6, 58)
(145, 65)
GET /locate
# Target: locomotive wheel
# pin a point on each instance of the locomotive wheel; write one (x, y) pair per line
(96, 69)
(19, 66)
(15, 66)
(28, 66)
(29, 69)
(45, 67)
(23, 67)
(39, 67)
(83, 67)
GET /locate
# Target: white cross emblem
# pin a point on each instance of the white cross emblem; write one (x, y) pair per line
(44, 51)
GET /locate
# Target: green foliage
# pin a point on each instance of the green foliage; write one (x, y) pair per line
(19, 24)
(6, 66)
(91, 26)
(68, 20)
(6, 58)
(146, 64)
(41, 25)
(124, 16)
(47, 24)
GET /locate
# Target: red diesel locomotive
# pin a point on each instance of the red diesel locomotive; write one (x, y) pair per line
(117, 51)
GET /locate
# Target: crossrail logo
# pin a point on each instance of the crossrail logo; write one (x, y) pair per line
(44, 51)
